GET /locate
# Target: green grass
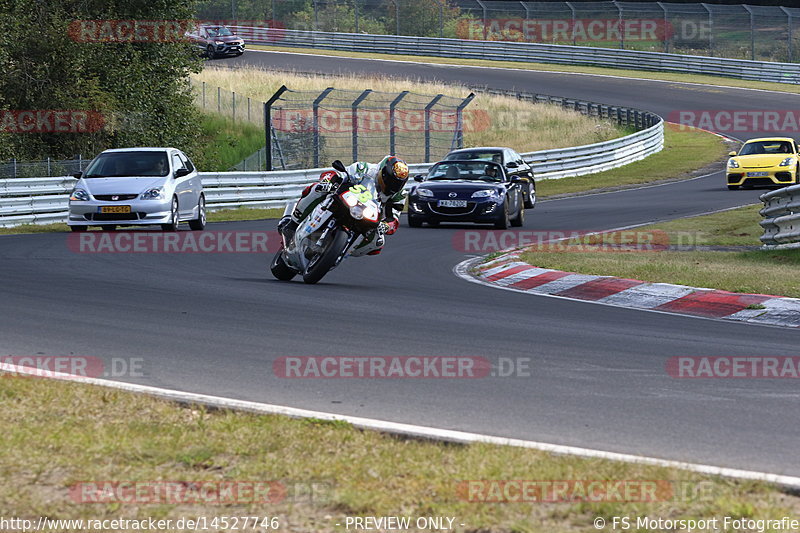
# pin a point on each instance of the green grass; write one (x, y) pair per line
(664, 76)
(57, 434)
(225, 142)
(745, 271)
(685, 150)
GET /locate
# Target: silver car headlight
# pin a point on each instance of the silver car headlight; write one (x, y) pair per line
(486, 193)
(79, 195)
(424, 192)
(156, 193)
(787, 162)
(732, 163)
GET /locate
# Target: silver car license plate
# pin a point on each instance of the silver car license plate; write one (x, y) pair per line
(757, 174)
(452, 203)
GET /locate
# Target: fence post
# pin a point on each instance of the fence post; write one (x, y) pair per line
(355, 9)
(219, 100)
(752, 32)
(15, 166)
(710, 29)
(268, 125)
(234, 106)
(204, 95)
(572, 24)
(355, 121)
(460, 121)
(428, 126)
(318, 101)
(666, 25)
(790, 45)
(316, 16)
(621, 28)
(248, 110)
(484, 18)
(392, 107)
(48, 167)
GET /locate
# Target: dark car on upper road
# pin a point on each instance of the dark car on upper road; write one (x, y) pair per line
(216, 41)
(466, 191)
(513, 163)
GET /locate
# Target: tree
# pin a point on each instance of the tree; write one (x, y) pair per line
(139, 88)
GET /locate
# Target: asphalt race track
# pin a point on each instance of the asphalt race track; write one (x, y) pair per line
(214, 323)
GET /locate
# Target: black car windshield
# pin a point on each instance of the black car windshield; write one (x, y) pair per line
(219, 32)
(482, 155)
(123, 164)
(466, 170)
(767, 147)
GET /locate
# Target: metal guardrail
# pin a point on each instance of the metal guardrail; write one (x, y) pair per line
(525, 52)
(781, 214)
(45, 200)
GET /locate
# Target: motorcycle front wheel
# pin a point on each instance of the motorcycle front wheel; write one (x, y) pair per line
(280, 269)
(321, 263)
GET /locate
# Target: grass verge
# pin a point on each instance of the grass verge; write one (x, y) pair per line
(225, 142)
(685, 150)
(746, 271)
(59, 434)
(644, 75)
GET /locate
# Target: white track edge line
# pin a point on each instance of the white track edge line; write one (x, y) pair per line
(410, 429)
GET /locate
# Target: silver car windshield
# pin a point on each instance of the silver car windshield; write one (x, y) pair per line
(123, 164)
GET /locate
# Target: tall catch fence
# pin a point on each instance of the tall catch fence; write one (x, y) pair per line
(311, 128)
(742, 31)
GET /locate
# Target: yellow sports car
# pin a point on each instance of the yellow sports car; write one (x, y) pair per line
(768, 161)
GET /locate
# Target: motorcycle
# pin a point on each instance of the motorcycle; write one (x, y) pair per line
(325, 237)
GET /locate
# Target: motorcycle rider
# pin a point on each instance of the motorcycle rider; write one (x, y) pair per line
(389, 177)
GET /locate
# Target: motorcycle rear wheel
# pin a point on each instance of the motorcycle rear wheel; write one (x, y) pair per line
(325, 260)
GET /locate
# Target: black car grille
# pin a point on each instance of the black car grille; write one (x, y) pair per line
(115, 197)
(107, 217)
(452, 211)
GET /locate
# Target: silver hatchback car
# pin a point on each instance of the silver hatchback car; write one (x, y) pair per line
(135, 187)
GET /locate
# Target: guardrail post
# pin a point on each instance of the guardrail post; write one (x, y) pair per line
(428, 126)
(318, 101)
(268, 125)
(355, 121)
(459, 133)
(392, 133)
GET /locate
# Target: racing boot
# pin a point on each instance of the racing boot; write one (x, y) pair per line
(287, 226)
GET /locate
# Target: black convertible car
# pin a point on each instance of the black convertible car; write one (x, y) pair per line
(466, 191)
